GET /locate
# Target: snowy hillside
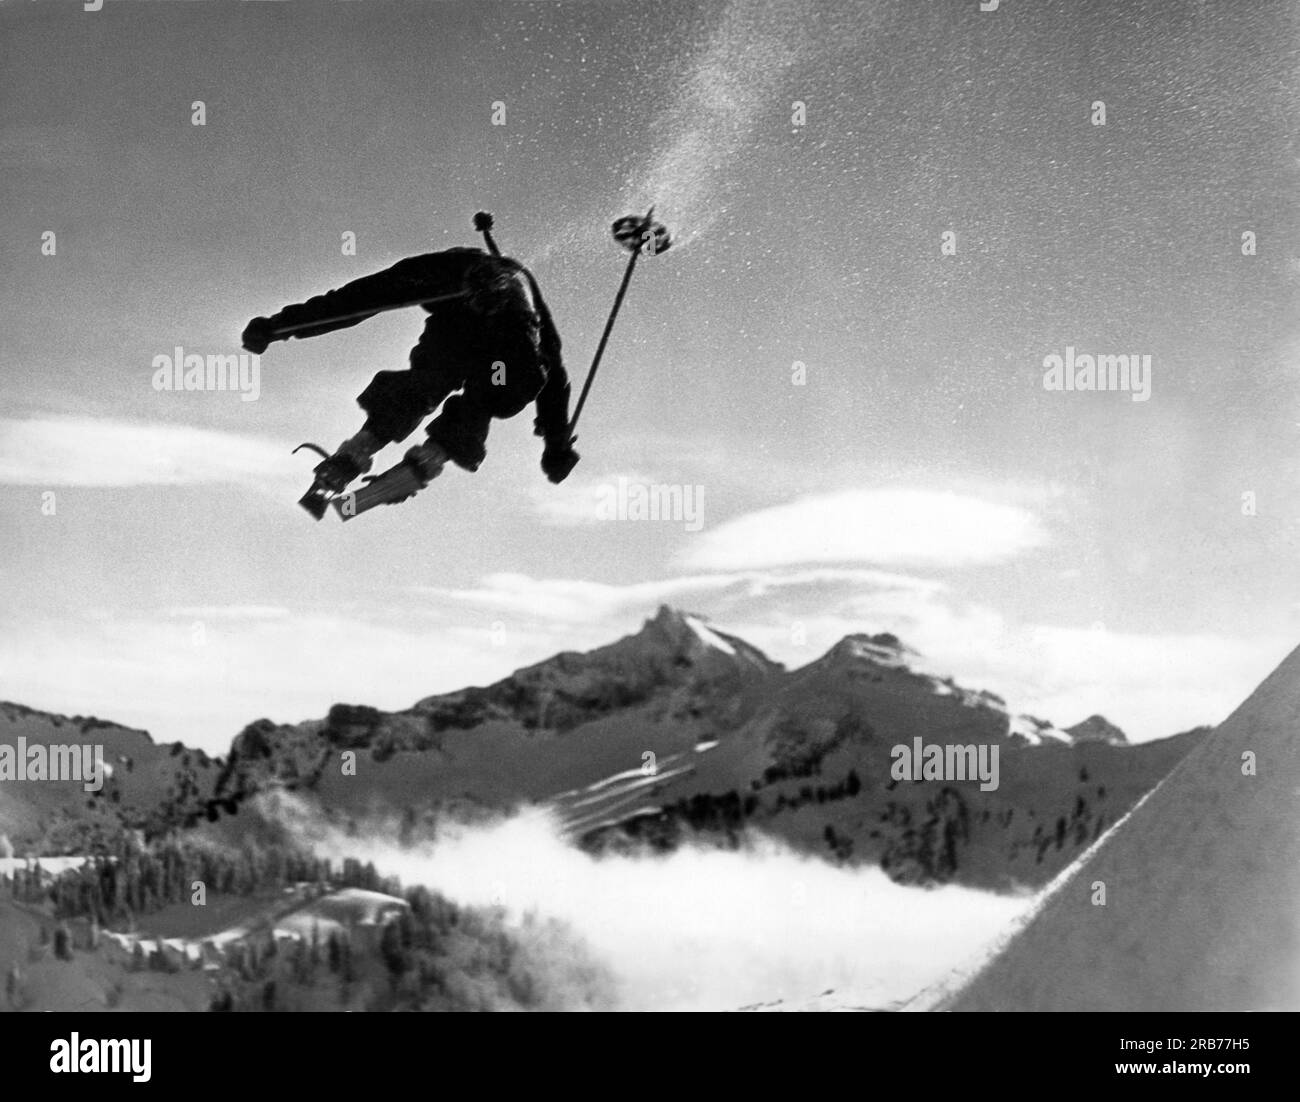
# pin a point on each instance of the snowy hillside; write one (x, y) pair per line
(1201, 905)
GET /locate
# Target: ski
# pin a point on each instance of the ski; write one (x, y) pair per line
(418, 467)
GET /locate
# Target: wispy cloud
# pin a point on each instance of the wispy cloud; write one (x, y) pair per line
(574, 600)
(87, 451)
(886, 527)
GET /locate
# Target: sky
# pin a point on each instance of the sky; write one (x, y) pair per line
(856, 417)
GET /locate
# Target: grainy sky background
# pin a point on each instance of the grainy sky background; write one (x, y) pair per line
(1076, 552)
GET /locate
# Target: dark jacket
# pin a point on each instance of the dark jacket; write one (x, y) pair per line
(473, 293)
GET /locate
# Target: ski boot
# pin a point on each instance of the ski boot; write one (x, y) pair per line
(420, 466)
(332, 476)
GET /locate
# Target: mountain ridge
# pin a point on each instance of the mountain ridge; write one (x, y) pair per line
(682, 729)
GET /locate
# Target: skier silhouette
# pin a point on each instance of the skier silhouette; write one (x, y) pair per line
(488, 336)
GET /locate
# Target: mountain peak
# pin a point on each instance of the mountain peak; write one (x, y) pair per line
(884, 649)
(1097, 729)
(690, 633)
(668, 619)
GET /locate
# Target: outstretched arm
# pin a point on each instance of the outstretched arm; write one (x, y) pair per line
(416, 277)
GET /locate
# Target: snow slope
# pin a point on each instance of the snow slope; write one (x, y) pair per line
(1202, 883)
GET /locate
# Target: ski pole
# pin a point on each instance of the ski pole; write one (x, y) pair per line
(641, 226)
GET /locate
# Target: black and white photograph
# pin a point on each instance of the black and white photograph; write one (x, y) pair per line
(694, 506)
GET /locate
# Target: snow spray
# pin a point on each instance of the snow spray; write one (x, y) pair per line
(728, 88)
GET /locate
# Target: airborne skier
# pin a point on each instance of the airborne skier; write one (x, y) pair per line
(488, 335)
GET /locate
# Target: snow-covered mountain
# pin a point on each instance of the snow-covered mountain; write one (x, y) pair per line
(680, 729)
(684, 729)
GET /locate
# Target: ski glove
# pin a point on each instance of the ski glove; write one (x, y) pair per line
(559, 459)
(257, 335)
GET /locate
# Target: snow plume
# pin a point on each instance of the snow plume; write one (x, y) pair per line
(698, 929)
(728, 88)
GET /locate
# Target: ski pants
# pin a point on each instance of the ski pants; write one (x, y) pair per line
(495, 367)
